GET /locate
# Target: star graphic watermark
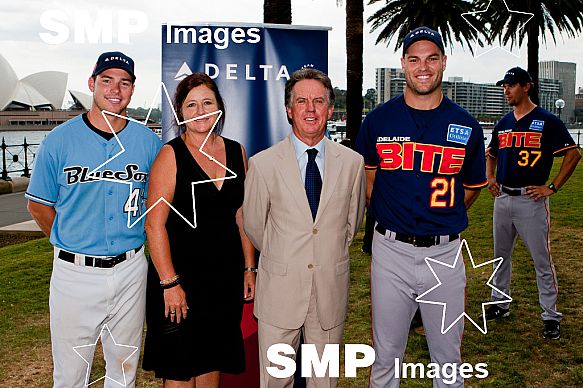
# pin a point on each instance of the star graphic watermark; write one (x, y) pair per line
(86, 353)
(424, 299)
(229, 174)
(522, 17)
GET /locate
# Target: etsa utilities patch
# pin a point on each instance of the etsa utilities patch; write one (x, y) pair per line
(537, 125)
(458, 133)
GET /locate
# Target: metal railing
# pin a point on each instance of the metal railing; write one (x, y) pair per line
(579, 138)
(13, 155)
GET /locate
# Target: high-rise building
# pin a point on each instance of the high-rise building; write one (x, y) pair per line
(549, 91)
(579, 99)
(480, 100)
(390, 82)
(565, 72)
(579, 106)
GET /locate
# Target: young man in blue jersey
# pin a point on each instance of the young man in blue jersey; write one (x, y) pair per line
(521, 152)
(87, 193)
(424, 161)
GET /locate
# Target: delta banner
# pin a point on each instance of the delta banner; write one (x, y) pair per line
(250, 64)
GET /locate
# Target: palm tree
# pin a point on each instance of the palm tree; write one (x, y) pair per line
(277, 11)
(552, 16)
(397, 17)
(354, 49)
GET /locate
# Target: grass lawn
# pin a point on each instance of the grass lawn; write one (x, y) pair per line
(516, 353)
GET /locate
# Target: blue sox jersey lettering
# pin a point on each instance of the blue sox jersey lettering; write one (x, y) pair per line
(93, 207)
(424, 160)
(525, 148)
(81, 174)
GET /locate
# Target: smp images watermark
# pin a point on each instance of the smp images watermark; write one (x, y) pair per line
(84, 26)
(449, 372)
(283, 364)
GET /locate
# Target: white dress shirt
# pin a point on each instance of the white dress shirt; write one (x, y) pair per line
(302, 156)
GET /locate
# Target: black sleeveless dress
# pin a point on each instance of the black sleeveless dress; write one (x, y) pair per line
(209, 260)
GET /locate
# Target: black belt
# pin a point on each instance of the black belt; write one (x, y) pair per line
(511, 192)
(417, 241)
(97, 262)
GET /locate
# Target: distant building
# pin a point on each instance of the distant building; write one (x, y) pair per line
(43, 91)
(579, 106)
(34, 103)
(487, 101)
(480, 100)
(549, 91)
(565, 72)
(390, 82)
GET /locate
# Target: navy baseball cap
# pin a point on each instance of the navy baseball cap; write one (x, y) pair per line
(423, 33)
(114, 60)
(515, 75)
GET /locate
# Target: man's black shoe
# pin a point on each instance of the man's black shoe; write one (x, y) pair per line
(495, 312)
(552, 330)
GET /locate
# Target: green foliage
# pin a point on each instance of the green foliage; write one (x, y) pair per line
(516, 353)
(141, 113)
(397, 17)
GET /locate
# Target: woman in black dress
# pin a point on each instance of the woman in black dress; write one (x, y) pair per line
(203, 265)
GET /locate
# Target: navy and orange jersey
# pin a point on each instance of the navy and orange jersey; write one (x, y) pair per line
(525, 148)
(424, 159)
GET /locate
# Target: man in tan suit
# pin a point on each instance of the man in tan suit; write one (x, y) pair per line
(304, 202)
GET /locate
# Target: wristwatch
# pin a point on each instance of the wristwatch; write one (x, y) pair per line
(553, 187)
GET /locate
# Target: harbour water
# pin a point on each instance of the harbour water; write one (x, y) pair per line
(14, 140)
(17, 137)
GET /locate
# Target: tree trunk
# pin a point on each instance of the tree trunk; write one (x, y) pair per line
(354, 48)
(532, 47)
(277, 11)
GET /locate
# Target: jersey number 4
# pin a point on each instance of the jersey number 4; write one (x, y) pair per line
(134, 202)
(442, 186)
(526, 156)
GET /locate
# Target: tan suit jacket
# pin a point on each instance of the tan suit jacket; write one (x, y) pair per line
(296, 250)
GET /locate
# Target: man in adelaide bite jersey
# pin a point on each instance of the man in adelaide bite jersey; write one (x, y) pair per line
(87, 193)
(425, 164)
(521, 152)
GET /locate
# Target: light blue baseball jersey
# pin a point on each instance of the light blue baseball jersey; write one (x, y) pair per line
(91, 213)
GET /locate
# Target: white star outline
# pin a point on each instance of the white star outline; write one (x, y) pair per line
(483, 329)
(510, 11)
(87, 383)
(219, 114)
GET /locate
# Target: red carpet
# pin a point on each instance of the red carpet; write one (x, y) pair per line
(249, 379)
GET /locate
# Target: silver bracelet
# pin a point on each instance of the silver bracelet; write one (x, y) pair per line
(169, 280)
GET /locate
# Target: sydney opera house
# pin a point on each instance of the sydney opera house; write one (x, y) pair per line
(36, 101)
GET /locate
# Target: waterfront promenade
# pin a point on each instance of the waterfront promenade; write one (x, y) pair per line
(14, 218)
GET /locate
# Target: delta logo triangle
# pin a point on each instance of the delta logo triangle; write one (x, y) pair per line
(183, 72)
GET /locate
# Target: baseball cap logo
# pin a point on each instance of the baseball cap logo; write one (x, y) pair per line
(117, 59)
(422, 31)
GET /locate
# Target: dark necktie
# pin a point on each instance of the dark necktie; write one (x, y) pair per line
(313, 182)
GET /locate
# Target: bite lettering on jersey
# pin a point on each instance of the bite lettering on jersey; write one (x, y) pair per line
(395, 156)
(78, 174)
(509, 139)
